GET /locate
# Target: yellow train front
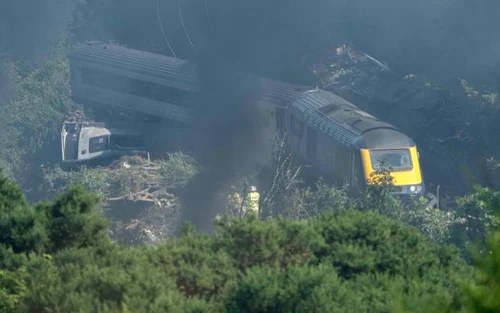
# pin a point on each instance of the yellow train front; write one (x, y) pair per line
(348, 144)
(396, 151)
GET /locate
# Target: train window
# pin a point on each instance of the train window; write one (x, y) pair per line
(98, 144)
(397, 159)
(296, 126)
(105, 80)
(126, 142)
(132, 86)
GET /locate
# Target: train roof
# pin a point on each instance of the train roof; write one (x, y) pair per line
(170, 71)
(174, 72)
(347, 123)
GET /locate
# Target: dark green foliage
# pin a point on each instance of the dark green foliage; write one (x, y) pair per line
(367, 243)
(12, 291)
(339, 261)
(20, 230)
(11, 196)
(294, 289)
(48, 227)
(326, 197)
(72, 220)
(103, 280)
(482, 295)
(319, 289)
(276, 243)
(198, 266)
(476, 213)
(69, 221)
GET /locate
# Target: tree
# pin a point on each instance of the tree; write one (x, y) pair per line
(32, 117)
(480, 294)
(71, 220)
(56, 257)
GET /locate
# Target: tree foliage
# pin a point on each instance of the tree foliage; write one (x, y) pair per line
(340, 260)
(47, 227)
(32, 117)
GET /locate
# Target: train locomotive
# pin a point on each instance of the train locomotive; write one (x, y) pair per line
(323, 129)
(348, 144)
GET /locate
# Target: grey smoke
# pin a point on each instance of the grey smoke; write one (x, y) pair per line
(28, 28)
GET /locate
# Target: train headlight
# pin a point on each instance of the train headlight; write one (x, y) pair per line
(415, 189)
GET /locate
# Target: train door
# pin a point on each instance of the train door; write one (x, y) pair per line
(312, 147)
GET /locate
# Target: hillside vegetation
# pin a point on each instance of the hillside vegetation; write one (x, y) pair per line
(56, 257)
(73, 241)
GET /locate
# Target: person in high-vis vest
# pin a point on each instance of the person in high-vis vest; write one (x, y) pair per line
(252, 202)
(234, 202)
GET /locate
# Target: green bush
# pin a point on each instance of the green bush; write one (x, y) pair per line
(337, 262)
(57, 180)
(476, 216)
(104, 280)
(56, 257)
(71, 220)
(12, 291)
(178, 169)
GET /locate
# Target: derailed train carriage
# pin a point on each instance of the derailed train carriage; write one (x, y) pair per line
(85, 142)
(348, 144)
(322, 128)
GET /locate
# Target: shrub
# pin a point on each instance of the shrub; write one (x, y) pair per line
(178, 169)
(56, 180)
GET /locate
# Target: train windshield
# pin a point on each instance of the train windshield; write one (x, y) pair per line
(396, 160)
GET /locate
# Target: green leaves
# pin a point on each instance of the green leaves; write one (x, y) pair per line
(69, 221)
(56, 257)
(72, 220)
(32, 117)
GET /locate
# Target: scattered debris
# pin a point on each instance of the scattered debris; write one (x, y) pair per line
(142, 206)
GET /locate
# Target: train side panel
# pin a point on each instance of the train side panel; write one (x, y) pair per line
(325, 153)
(295, 136)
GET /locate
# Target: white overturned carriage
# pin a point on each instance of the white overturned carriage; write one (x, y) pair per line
(83, 142)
